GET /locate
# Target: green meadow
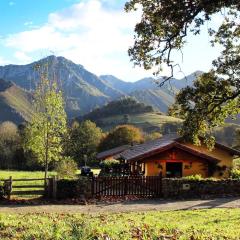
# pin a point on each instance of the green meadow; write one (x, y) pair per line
(195, 225)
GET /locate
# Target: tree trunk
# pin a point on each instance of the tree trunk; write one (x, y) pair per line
(46, 165)
(45, 174)
(46, 160)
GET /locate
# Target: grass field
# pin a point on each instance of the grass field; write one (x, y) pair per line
(195, 225)
(4, 174)
(146, 121)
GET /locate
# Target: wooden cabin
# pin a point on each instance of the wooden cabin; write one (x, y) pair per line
(173, 158)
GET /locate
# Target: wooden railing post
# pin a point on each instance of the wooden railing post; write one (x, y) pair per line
(126, 182)
(49, 188)
(54, 187)
(9, 187)
(92, 186)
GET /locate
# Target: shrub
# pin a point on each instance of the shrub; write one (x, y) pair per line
(67, 168)
(109, 163)
(196, 177)
(1, 191)
(77, 188)
(235, 174)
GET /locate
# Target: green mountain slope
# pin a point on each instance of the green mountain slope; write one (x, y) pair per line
(15, 103)
(157, 98)
(130, 111)
(148, 122)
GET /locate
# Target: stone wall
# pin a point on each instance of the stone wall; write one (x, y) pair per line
(171, 188)
(183, 189)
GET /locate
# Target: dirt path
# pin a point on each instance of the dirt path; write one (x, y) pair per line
(134, 206)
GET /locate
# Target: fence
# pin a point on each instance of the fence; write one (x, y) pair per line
(29, 187)
(132, 185)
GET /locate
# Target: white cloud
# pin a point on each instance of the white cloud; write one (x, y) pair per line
(86, 33)
(3, 61)
(22, 57)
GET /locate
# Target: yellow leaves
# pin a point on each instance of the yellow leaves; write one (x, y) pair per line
(45, 131)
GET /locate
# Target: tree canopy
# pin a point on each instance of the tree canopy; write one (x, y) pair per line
(45, 132)
(9, 145)
(121, 135)
(83, 142)
(164, 27)
(126, 105)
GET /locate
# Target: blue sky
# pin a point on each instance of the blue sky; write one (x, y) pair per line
(94, 33)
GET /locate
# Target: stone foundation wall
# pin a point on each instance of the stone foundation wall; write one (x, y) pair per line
(171, 188)
(183, 189)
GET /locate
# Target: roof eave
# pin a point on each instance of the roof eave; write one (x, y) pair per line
(177, 145)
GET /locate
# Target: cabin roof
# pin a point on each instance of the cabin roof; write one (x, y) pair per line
(112, 152)
(140, 151)
(150, 148)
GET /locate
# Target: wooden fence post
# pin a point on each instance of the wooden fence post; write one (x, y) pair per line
(48, 188)
(92, 186)
(9, 186)
(126, 182)
(54, 187)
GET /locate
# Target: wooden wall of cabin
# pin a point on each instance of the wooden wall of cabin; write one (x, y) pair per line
(226, 159)
(191, 165)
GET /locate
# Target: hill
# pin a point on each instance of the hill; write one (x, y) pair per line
(227, 134)
(123, 106)
(148, 122)
(130, 111)
(15, 103)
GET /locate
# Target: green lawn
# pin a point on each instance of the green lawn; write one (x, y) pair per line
(4, 174)
(194, 225)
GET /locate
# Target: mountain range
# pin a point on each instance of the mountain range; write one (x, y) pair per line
(83, 90)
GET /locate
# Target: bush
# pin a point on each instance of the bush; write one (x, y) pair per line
(235, 174)
(196, 177)
(110, 163)
(67, 168)
(1, 192)
(67, 189)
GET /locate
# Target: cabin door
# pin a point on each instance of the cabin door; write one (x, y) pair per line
(174, 169)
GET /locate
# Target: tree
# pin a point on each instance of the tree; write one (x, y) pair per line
(152, 136)
(121, 135)
(45, 132)
(67, 168)
(83, 142)
(237, 139)
(126, 118)
(163, 28)
(9, 144)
